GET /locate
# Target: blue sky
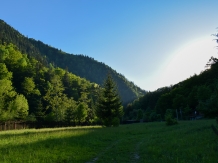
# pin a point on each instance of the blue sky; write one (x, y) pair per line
(154, 43)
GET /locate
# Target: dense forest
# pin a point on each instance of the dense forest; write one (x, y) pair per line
(29, 91)
(192, 98)
(79, 65)
(41, 83)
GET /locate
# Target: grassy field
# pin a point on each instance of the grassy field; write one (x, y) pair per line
(187, 142)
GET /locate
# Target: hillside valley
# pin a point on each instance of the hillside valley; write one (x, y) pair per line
(80, 65)
(47, 84)
(39, 83)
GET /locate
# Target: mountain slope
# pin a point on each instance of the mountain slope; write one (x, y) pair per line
(80, 65)
(195, 96)
(30, 91)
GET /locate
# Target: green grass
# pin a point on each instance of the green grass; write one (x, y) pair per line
(187, 142)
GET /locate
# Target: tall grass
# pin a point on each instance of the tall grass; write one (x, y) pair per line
(190, 141)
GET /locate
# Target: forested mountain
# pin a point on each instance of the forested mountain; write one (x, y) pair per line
(194, 97)
(39, 82)
(79, 65)
(30, 91)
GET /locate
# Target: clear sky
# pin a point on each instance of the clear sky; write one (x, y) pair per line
(153, 43)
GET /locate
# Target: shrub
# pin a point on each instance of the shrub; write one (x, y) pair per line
(116, 122)
(107, 122)
(169, 118)
(170, 121)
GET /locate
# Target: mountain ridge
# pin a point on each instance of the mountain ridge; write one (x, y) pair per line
(81, 65)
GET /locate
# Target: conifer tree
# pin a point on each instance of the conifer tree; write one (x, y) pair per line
(109, 107)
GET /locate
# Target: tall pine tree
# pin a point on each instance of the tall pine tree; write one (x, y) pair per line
(109, 107)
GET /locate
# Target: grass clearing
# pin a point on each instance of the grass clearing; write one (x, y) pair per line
(189, 141)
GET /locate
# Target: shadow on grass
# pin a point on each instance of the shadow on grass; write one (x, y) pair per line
(151, 142)
(75, 148)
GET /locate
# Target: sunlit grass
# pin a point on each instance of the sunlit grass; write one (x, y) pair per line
(190, 141)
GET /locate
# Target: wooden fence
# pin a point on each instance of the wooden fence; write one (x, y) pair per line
(13, 125)
(16, 125)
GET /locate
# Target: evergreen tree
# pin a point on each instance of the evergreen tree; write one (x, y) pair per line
(109, 106)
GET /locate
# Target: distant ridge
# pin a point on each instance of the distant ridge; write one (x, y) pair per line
(80, 65)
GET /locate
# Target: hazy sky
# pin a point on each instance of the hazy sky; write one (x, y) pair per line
(153, 43)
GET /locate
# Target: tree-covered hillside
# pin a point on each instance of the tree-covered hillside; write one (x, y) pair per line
(194, 97)
(30, 91)
(80, 65)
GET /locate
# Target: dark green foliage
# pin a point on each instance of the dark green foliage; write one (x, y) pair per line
(139, 114)
(194, 97)
(154, 117)
(69, 114)
(170, 120)
(147, 103)
(116, 122)
(42, 75)
(33, 92)
(79, 65)
(109, 105)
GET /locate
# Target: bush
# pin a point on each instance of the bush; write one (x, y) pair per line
(116, 122)
(169, 118)
(170, 121)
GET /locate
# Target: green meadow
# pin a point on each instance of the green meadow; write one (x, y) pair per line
(187, 142)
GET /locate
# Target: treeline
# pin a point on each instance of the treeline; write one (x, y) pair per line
(192, 97)
(79, 65)
(30, 91)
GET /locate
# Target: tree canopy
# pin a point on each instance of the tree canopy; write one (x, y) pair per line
(30, 89)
